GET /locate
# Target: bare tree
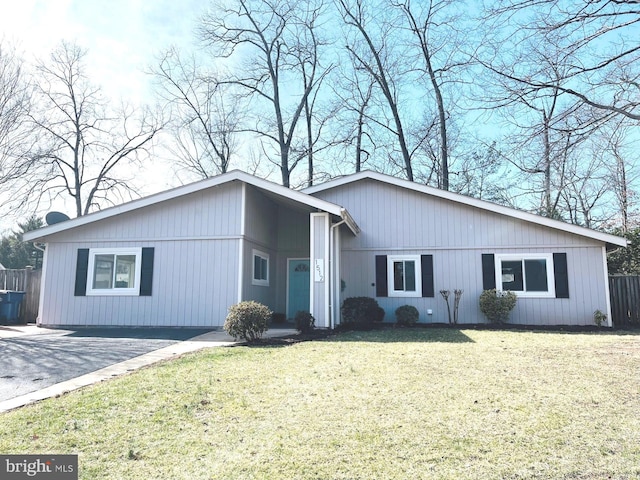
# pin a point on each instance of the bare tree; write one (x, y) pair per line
(546, 125)
(377, 61)
(585, 184)
(305, 54)
(15, 104)
(600, 36)
(265, 40)
(315, 124)
(206, 115)
(81, 143)
(353, 90)
(483, 174)
(618, 147)
(362, 97)
(422, 24)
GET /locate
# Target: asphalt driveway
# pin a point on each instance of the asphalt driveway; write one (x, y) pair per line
(32, 362)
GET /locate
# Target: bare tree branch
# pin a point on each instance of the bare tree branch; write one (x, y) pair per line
(282, 40)
(207, 117)
(81, 143)
(600, 36)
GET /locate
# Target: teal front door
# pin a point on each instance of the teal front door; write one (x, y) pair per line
(298, 286)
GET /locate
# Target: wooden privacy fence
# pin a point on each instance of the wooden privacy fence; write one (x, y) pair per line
(28, 281)
(625, 300)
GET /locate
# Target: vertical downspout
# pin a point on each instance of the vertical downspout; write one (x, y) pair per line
(606, 286)
(243, 209)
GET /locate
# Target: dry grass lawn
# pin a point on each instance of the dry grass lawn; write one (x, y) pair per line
(395, 404)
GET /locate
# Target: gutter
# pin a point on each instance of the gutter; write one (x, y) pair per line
(348, 219)
(332, 269)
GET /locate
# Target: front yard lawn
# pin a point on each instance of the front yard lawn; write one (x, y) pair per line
(393, 404)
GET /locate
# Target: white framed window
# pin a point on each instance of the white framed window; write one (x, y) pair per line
(527, 275)
(114, 271)
(260, 268)
(404, 276)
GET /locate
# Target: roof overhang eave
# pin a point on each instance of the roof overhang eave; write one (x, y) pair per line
(349, 221)
(235, 175)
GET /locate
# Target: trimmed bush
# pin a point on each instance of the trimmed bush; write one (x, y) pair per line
(407, 315)
(247, 320)
(305, 323)
(360, 313)
(496, 305)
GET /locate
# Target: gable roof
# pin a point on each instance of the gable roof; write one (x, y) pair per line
(235, 175)
(611, 241)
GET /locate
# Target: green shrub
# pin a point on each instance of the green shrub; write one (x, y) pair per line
(407, 315)
(278, 318)
(599, 318)
(360, 313)
(305, 323)
(496, 305)
(247, 320)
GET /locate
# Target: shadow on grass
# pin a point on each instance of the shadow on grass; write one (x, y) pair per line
(553, 329)
(425, 334)
(379, 335)
(403, 335)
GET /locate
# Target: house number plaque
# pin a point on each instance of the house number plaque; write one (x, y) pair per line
(319, 270)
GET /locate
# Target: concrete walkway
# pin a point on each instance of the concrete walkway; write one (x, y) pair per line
(217, 338)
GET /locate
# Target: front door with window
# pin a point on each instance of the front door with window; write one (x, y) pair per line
(297, 286)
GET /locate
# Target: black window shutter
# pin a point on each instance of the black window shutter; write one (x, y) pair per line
(561, 275)
(82, 270)
(488, 271)
(381, 276)
(146, 272)
(426, 262)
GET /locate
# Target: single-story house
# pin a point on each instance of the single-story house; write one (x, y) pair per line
(180, 258)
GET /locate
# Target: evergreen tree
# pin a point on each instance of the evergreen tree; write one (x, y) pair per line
(14, 253)
(626, 261)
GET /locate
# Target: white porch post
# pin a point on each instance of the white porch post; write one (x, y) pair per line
(320, 278)
(43, 282)
(607, 292)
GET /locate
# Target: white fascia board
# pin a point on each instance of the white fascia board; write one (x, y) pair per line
(189, 189)
(470, 201)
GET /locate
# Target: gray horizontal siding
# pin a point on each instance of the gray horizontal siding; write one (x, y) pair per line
(196, 240)
(261, 222)
(194, 283)
(398, 221)
(213, 213)
(462, 269)
(391, 216)
(261, 218)
(260, 293)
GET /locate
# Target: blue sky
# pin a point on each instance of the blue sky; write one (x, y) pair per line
(122, 36)
(123, 39)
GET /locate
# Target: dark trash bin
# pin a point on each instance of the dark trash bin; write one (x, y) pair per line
(10, 306)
